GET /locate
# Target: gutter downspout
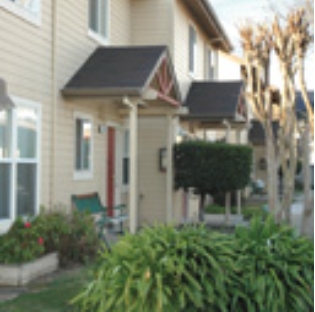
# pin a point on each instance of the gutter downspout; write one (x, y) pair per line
(54, 91)
(133, 168)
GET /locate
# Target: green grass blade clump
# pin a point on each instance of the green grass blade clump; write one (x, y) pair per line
(276, 269)
(162, 269)
(265, 267)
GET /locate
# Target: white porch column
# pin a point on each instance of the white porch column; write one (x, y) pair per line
(133, 170)
(133, 166)
(228, 194)
(228, 208)
(239, 192)
(169, 170)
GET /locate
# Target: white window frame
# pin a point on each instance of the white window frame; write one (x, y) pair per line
(94, 35)
(14, 160)
(213, 62)
(83, 174)
(193, 49)
(16, 7)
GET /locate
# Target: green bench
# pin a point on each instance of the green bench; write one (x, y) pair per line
(91, 203)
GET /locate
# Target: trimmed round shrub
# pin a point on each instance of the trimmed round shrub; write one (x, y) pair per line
(212, 168)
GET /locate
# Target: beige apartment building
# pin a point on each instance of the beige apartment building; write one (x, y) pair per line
(98, 88)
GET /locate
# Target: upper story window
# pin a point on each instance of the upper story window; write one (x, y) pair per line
(211, 64)
(30, 10)
(192, 49)
(98, 19)
(83, 146)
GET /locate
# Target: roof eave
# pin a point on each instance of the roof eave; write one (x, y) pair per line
(203, 11)
(219, 26)
(207, 118)
(101, 92)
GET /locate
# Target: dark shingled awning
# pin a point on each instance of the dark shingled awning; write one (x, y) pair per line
(213, 100)
(114, 71)
(300, 105)
(257, 134)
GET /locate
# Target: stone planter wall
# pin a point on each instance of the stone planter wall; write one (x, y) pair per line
(19, 275)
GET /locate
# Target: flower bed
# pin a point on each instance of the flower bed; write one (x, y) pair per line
(34, 247)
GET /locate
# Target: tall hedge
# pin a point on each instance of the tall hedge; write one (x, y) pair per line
(212, 167)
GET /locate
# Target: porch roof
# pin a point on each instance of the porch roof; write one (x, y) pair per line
(214, 101)
(119, 71)
(257, 134)
(301, 110)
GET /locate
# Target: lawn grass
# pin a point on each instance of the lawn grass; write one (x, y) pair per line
(247, 211)
(52, 297)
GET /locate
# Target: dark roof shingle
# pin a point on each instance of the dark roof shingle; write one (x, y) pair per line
(300, 105)
(115, 70)
(257, 134)
(213, 100)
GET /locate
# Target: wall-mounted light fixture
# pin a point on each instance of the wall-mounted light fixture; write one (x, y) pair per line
(102, 129)
(162, 159)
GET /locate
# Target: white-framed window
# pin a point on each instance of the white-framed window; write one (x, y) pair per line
(125, 157)
(20, 130)
(99, 20)
(83, 156)
(211, 64)
(192, 49)
(29, 10)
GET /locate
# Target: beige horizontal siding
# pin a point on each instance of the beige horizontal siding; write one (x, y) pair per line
(151, 22)
(25, 63)
(120, 22)
(182, 20)
(74, 47)
(152, 182)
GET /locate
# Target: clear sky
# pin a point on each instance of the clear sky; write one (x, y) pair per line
(233, 12)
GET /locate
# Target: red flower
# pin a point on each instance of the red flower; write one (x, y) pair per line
(40, 241)
(27, 225)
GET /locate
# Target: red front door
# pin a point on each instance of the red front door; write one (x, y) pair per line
(110, 170)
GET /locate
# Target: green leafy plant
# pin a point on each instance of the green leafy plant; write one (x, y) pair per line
(276, 270)
(81, 243)
(162, 269)
(23, 243)
(265, 267)
(74, 236)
